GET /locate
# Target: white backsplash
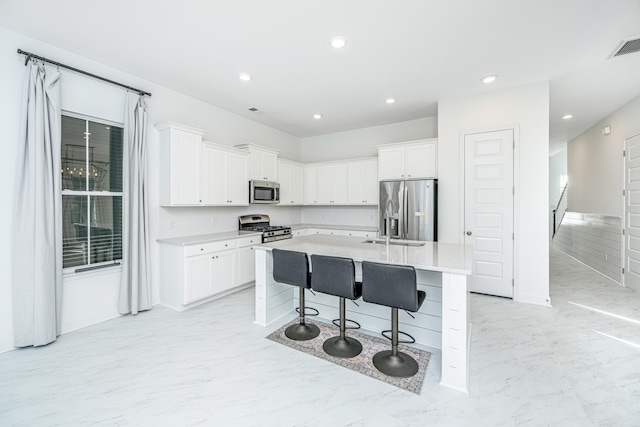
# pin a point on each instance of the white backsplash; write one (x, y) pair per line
(344, 215)
(203, 220)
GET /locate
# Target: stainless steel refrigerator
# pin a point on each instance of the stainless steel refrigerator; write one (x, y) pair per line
(412, 208)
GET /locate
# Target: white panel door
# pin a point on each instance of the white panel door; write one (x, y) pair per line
(632, 213)
(488, 210)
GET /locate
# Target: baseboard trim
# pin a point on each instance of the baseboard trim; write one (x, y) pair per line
(6, 344)
(83, 322)
(534, 299)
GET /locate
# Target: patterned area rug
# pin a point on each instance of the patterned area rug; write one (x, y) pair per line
(362, 363)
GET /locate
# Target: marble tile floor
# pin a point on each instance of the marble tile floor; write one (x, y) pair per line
(567, 365)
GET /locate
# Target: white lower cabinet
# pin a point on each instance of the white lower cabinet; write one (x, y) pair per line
(335, 232)
(300, 232)
(246, 271)
(369, 234)
(191, 274)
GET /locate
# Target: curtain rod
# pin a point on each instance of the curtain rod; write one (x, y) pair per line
(30, 55)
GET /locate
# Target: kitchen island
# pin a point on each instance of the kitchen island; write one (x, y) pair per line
(442, 270)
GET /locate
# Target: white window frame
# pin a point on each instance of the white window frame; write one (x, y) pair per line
(104, 264)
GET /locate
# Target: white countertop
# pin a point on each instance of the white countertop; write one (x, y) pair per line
(442, 257)
(206, 238)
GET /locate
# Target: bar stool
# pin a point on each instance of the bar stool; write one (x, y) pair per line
(392, 286)
(337, 276)
(292, 268)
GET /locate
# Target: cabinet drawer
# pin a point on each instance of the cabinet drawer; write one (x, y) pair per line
(210, 247)
(249, 241)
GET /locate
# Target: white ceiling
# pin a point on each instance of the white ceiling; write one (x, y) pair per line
(417, 51)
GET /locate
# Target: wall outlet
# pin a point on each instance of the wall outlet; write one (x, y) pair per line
(172, 223)
(606, 257)
(214, 221)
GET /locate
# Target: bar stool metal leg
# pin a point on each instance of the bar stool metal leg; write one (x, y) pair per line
(342, 346)
(302, 331)
(393, 362)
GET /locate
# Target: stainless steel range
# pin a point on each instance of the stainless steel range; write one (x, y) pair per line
(270, 233)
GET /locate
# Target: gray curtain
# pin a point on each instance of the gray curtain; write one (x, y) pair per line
(135, 287)
(37, 221)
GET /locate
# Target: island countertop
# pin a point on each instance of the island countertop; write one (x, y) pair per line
(442, 257)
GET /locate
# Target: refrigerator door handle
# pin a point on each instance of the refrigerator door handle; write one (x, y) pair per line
(405, 202)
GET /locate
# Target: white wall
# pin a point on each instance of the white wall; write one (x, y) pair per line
(87, 96)
(595, 163)
(527, 109)
(362, 142)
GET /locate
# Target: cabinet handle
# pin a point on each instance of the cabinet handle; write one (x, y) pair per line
(201, 249)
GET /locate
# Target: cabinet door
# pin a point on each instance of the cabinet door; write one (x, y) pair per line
(270, 166)
(185, 168)
(224, 271)
(340, 184)
(237, 179)
(356, 184)
(371, 186)
(325, 185)
(198, 277)
(421, 161)
(296, 182)
(214, 176)
(284, 172)
(255, 165)
(391, 163)
(310, 185)
(246, 265)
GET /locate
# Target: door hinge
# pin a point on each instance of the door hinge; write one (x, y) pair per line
(513, 236)
(624, 192)
(513, 190)
(514, 143)
(624, 153)
(622, 270)
(623, 231)
(513, 282)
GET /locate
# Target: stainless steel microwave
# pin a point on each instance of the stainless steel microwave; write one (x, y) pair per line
(264, 192)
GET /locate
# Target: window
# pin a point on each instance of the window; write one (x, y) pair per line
(91, 192)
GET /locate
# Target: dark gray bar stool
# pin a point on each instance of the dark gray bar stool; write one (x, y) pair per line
(337, 276)
(392, 286)
(292, 268)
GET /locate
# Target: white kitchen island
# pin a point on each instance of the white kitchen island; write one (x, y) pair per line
(442, 270)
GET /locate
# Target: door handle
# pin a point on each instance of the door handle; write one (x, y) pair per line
(469, 233)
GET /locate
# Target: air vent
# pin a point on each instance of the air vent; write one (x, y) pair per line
(626, 47)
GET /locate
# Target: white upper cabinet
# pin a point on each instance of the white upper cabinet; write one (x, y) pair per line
(263, 162)
(225, 179)
(310, 185)
(408, 160)
(362, 178)
(331, 185)
(197, 173)
(291, 176)
(353, 182)
(180, 156)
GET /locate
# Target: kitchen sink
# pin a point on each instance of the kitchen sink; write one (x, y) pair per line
(395, 242)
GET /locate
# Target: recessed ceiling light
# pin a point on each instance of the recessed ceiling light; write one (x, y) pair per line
(244, 76)
(317, 116)
(338, 42)
(489, 79)
(567, 116)
(390, 100)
